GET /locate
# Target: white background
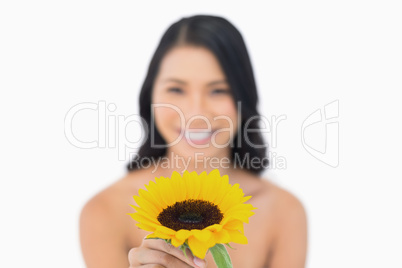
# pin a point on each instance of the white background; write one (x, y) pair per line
(306, 54)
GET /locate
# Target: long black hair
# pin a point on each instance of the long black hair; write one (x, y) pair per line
(226, 43)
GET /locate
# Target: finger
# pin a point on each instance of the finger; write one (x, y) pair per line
(200, 262)
(148, 266)
(150, 256)
(161, 245)
(132, 257)
(151, 266)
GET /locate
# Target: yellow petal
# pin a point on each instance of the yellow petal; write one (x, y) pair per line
(210, 190)
(149, 214)
(178, 186)
(153, 189)
(197, 183)
(234, 225)
(189, 182)
(204, 186)
(246, 198)
(157, 189)
(149, 197)
(165, 230)
(198, 248)
(237, 237)
(223, 190)
(151, 236)
(166, 193)
(202, 235)
(215, 227)
(183, 234)
(240, 207)
(177, 242)
(222, 237)
(214, 173)
(217, 191)
(232, 198)
(243, 216)
(145, 204)
(142, 219)
(162, 235)
(146, 227)
(241, 211)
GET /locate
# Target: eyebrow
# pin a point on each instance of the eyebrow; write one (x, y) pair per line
(183, 82)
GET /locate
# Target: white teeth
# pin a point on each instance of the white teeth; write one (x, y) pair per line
(197, 136)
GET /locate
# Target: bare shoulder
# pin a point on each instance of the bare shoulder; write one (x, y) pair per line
(290, 228)
(99, 213)
(285, 205)
(110, 200)
(284, 198)
(102, 241)
(104, 223)
(99, 207)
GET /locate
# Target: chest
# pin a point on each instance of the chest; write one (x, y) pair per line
(256, 253)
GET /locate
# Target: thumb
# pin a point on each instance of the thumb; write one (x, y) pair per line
(200, 262)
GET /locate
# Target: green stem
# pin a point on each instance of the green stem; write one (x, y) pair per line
(221, 256)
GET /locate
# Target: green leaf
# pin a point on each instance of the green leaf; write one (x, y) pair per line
(227, 244)
(221, 256)
(184, 249)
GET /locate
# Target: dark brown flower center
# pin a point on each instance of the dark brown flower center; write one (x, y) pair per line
(190, 214)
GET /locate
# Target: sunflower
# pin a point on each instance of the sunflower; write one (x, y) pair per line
(198, 211)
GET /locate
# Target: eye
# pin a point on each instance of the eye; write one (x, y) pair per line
(175, 90)
(220, 91)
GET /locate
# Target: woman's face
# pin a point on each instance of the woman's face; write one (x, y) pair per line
(193, 106)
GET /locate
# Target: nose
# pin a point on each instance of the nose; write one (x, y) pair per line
(197, 113)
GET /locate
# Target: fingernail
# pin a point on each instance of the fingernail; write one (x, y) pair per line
(200, 263)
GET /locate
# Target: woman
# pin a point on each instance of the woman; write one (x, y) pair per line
(203, 94)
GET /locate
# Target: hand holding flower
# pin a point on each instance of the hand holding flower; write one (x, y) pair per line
(158, 252)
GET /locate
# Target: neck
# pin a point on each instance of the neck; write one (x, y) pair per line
(198, 162)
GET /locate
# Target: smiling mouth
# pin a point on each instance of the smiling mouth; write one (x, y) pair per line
(198, 136)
